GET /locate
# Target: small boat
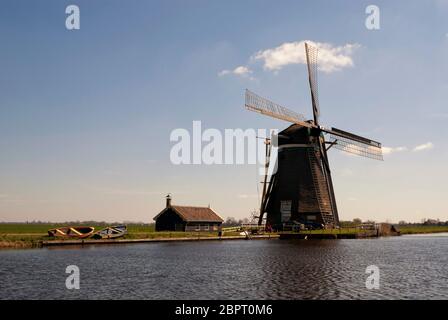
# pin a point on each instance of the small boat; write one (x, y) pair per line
(71, 232)
(111, 232)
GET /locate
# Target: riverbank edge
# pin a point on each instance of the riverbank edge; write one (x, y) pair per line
(178, 239)
(300, 236)
(53, 243)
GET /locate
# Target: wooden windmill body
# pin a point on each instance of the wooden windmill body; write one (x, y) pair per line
(301, 189)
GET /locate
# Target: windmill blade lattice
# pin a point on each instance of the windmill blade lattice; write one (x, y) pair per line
(311, 59)
(356, 147)
(258, 104)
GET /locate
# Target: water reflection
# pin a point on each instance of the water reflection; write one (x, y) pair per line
(411, 267)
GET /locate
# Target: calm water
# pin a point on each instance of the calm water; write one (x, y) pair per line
(412, 267)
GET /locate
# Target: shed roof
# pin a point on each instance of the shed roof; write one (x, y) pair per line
(194, 214)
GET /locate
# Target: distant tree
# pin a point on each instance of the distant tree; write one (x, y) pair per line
(431, 222)
(254, 214)
(230, 222)
(357, 221)
(402, 222)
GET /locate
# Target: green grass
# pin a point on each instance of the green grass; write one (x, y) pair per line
(141, 228)
(403, 230)
(42, 228)
(153, 235)
(335, 231)
(21, 241)
(422, 229)
(34, 239)
(21, 235)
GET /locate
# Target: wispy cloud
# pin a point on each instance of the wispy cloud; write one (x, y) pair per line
(389, 150)
(242, 71)
(331, 58)
(421, 147)
(393, 150)
(425, 146)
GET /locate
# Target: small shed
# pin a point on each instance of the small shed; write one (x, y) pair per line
(187, 218)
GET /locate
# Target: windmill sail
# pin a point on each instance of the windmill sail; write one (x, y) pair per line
(311, 59)
(261, 105)
(355, 144)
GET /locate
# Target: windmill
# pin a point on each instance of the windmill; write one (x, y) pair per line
(301, 189)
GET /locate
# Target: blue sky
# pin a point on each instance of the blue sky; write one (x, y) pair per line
(86, 115)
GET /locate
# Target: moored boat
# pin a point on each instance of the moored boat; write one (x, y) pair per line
(111, 232)
(71, 232)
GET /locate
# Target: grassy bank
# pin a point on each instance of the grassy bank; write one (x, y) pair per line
(334, 231)
(35, 240)
(411, 229)
(42, 228)
(21, 241)
(29, 235)
(341, 233)
(422, 229)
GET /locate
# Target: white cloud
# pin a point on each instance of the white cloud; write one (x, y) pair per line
(331, 58)
(242, 71)
(425, 146)
(389, 150)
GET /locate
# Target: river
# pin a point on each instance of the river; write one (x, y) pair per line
(410, 267)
